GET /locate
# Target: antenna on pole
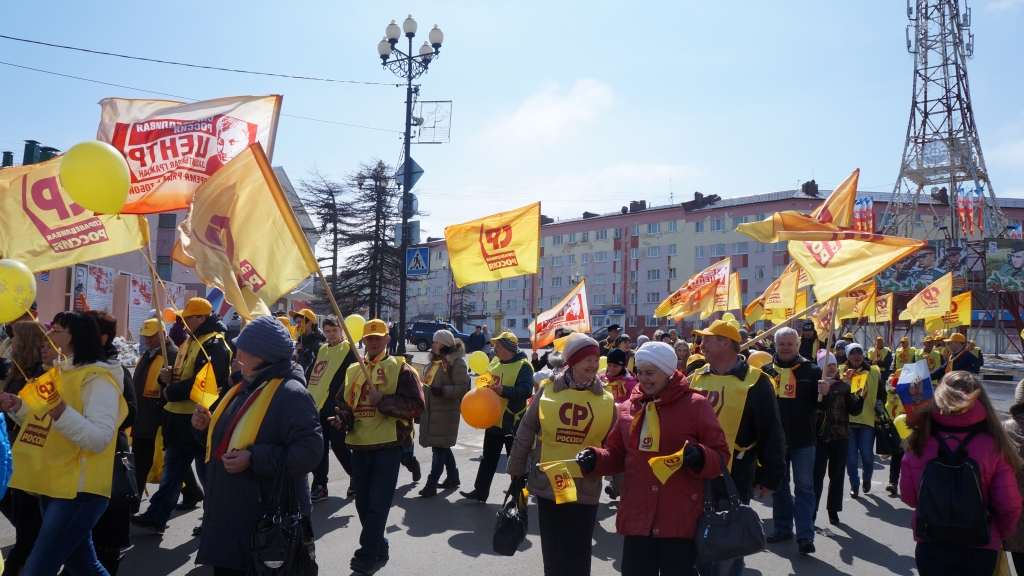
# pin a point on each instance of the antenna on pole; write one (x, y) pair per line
(671, 197)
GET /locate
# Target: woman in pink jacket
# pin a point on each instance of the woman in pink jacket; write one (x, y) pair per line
(961, 409)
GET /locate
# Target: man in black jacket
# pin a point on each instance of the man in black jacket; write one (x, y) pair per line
(797, 387)
(476, 341)
(758, 465)
(309, 341)
(960, 358)
(205, 345)
(809, 343)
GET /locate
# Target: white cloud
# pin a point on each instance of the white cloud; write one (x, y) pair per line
(552, 114)
(1003, 5)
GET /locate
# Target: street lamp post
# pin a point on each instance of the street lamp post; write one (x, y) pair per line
(409, 67)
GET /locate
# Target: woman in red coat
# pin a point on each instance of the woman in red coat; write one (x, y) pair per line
(663, 414)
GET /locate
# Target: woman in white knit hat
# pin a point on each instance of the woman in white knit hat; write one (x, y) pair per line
(671, 424)
(571, 412)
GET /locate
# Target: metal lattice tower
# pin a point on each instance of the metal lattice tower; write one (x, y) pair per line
(942, 149)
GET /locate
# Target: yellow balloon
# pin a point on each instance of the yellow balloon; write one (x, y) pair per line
(355, 324)
(901, 426)
(17, 290)
(728, 316)
(478, 362)
(735, 323)
(96, 176)
(602, 363)
(759, 358)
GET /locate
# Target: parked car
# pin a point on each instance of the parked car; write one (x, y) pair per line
(422, 334)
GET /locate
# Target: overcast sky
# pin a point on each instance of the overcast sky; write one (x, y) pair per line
(582, 105)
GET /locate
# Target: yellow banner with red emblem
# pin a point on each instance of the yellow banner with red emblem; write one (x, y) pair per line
(495, 247)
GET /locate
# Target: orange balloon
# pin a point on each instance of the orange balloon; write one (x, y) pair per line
(481, 408)
(169, 315)
(759, 358)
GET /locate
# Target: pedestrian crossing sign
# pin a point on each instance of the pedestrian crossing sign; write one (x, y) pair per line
(417, 261)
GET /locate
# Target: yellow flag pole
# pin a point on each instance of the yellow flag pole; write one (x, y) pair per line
(341, 320)
(152, 284)
(806, 311)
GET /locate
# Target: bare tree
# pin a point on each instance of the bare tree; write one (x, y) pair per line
(325, 204)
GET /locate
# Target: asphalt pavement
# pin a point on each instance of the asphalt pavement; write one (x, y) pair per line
(449, 535)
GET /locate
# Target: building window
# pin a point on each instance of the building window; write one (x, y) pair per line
(759, 217)
(718, 250)
(484, 305)
(572, 259)
(586, 258)
(616, 299)
(758, 272)
(650, 321)
(497, 304)
(540, 304)
(556, 240)
(698, 227)
(168, 221)
(654, 274)
(437, 306)
(654, 228)
(618, 232)
(777, 271)
(632, 275)
(600, 256)
(554, 301)
(740, 247)
(437, 291)
(601, 235)
(671, 273)
(510, 323)
(598, 300)
(672, 226)
(636, 230)
(618, 255)
(671, 249)
(540, 282)
(718, 225)
(513, 284)
(634, 253)
(556, 281)
(617, 277)
(556, 260)
(743, 273)
(758, 248)
(739, 220)
(584, 236)
(698, 251)
(510, 303)
(440, 255)
(653, 297)
(653, 251)
(572, 238)
(600, 278)
(632, 321)
(633, 298)
(917, 221)
(163, 267)
(780, 246)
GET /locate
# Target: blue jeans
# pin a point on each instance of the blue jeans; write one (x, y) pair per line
(443, 458)
(177, 463)
(784, 510)
(862, 447)
(374, 476)
(66, 536)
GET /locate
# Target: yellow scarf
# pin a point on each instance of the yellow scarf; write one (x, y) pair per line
(152, 389)
(785, 382)
(356, 390)
(249, 418)
(650, 430)
(432, 371)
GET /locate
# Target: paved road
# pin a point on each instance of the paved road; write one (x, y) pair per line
(450, 535)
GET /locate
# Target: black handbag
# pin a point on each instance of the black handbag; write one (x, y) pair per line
(124, 488)
(887, 438)
(513, 520)
(282, 542)
(732, 531)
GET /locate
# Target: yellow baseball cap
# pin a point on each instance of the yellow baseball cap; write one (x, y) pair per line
(151, 327)
(197, 307)
(305, 313)
(506, 335)
(957, 337)
(879, 339)
(848, 335)
(722, 328)
(928, 339)
(904, 339)
(375, 327)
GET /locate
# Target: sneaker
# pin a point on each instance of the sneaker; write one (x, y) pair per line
(833, 518)
(428, 491)
(866, 487)
(892, 488)
(198, 529)
(805, 546)
(351, 492)
(854, 489)
(140, 521)
(318, 494)
(776, 537)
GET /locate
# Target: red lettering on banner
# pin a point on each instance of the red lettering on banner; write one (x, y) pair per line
(824, 251)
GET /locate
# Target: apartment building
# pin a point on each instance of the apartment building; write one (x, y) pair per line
(635, 258)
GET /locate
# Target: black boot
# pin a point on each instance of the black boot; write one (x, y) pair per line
(428, 491)
(450, 481)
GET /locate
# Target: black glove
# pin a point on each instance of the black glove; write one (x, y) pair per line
(693, 457)
(437, 391)
(587, 460)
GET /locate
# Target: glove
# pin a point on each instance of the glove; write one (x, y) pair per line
(437, 391)
(693, 457)
(587, 460)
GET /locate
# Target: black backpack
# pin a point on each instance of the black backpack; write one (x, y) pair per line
(951, 508)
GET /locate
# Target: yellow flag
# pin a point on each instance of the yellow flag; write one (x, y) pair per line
(204, 387)
(560, 477)
(835, 212)
(754, 311)
(41, 226)
(700, 300)
(933, 301)
(242, 237)
(723, 291)
(959, 314)
(835, 266)
(735, 298)
(781, 296)
(823, 320)
(43, 394)
(857, 302)
(838, 207)
(665, 466)
(495, 247)
(683, 299)
(883, 308)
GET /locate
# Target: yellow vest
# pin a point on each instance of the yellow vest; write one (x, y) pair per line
(185, 368)
(571, 420)
(728, 395)
(371, 427)
(934, 358)
(47, 463)
(902, 357)
(248, 426)
(875, 356)
(867, 417)
(893, 405)
(328, 360)
(504, 374)
(976, 352)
